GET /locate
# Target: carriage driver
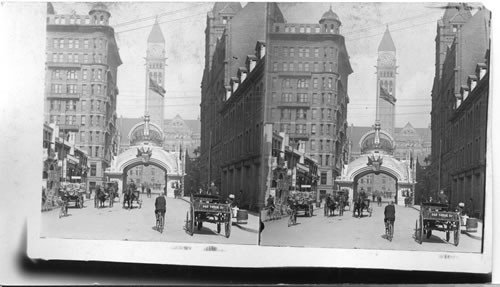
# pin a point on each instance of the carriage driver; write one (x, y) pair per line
(160, 206)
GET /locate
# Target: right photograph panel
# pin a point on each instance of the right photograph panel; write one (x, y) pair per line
(375, 125)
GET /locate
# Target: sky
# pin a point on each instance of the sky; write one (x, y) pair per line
(412, 26)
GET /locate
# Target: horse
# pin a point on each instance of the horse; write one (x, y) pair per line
(130, 195)
(330, 205)
(113, 193)
(100, 197)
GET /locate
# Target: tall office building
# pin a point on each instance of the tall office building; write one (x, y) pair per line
(80, 90)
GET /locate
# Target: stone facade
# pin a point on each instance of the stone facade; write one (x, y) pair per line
(460, 113)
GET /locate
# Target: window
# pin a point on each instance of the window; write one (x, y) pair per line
(85, 58)
(70, 58)
(85, 74)
(61, 43)
(313, 145)
(99, 74)
(70, 41)
(302, 98)
(302, 83)
(323, 175)
(313, 129)
(77, 43)
(86, 44)
(301, 52)
(82, 120)
(97, 137)
(275, 66)
(316, 99)
(301, 114)
(52, 105)
(300, 129)
(57, 88)
(71, 89)
(285, 114)
(287, 97)
(285, 52)
(285, 67)
(327, 160)
(306, 52)
(61, 58)
(93, 169)
(316, 52)
(292, 53)
(91, 123)
(97, 151)
(71, 75)
(316, 67)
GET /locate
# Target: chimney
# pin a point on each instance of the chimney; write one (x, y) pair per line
(251, 62)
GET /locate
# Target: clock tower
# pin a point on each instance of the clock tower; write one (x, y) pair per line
(386, 83)
(155, 72)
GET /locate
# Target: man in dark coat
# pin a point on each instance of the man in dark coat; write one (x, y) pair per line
(390, 213)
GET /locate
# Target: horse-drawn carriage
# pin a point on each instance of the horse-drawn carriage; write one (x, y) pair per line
(72, 192)
(435, 216)
(108, 193)
(208, 208)
(339, 201)
(361, 203)
(304, 201)
(131, 194)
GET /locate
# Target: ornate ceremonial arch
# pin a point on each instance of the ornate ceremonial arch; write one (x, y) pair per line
(377, 148)
(146, 148)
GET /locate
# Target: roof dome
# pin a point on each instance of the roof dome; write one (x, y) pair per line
(99, 7)
(377, 140)
(329, 16)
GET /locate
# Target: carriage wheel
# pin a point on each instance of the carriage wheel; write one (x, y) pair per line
(456, 235)
(228, 227)
(421, 230)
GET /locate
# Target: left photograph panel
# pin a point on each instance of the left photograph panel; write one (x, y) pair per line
(123, 156)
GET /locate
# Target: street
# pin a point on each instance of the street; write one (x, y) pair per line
(117, 223)
(361, 233)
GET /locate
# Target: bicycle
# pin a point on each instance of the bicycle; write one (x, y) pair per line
(389, 229)
(160, 221)
(292, 219)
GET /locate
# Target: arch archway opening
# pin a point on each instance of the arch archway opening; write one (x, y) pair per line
(376, 183)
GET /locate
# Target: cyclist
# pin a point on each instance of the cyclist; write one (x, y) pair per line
(389, 215)
(160, 207)
(292, 204)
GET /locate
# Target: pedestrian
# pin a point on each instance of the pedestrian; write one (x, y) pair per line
(379, 200)
(389, 214)
(471, 207)
(148, 190)
(142, 187)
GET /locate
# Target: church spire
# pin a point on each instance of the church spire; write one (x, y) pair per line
(387, 44)
(156, 36)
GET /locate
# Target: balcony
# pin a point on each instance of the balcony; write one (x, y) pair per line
(304, 136)
(52, 64)
(295, 104)
(67, 127)
(63, 96)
